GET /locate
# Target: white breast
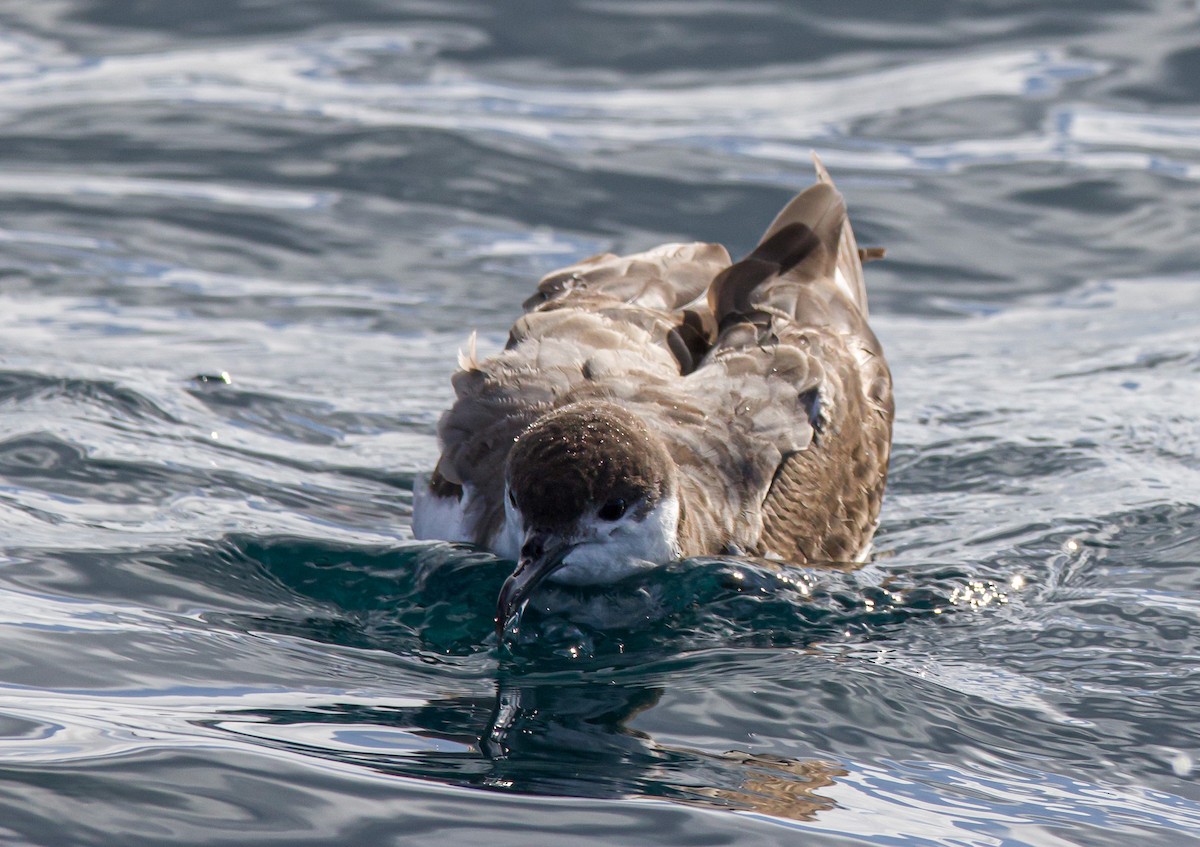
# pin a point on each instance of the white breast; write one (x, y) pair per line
(441, 518)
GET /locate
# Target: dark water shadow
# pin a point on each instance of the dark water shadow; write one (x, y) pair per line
(438, 600)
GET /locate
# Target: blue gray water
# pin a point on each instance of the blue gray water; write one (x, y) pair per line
(240, 245)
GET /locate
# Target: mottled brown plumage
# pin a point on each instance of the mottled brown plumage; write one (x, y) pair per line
(755, 393)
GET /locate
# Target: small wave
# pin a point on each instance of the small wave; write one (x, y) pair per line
(438, 600)
(26, 388)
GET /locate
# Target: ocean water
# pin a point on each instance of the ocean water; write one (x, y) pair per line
(240, 245)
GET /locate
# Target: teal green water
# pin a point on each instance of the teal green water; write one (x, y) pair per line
(240, 246)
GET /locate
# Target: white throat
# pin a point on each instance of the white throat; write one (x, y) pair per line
(609, 551)
(605, 551)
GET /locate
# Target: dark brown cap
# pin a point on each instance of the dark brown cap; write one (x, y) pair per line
(583, 456)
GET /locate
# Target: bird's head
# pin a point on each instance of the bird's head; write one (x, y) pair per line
(590, 495)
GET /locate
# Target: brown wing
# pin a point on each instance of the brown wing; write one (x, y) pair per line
(807, 380)
(666, 278)
(661, 290)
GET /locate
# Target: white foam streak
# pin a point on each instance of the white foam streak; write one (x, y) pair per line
(302, 78)
(775, 119)
(78, 185)
(1128, 129)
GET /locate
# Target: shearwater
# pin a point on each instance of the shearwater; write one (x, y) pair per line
(673, 403)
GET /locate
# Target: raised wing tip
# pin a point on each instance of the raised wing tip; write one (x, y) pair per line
(850, 257)
(822, 172)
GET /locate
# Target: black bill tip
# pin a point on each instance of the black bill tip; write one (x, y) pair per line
(522, 582)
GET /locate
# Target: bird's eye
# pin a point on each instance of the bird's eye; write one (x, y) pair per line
(612, 510)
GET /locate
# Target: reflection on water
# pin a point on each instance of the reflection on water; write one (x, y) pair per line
(515, 742)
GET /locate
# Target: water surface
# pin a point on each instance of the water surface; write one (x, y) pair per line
(240, 245)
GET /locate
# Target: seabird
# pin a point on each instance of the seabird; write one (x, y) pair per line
(673, 403)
